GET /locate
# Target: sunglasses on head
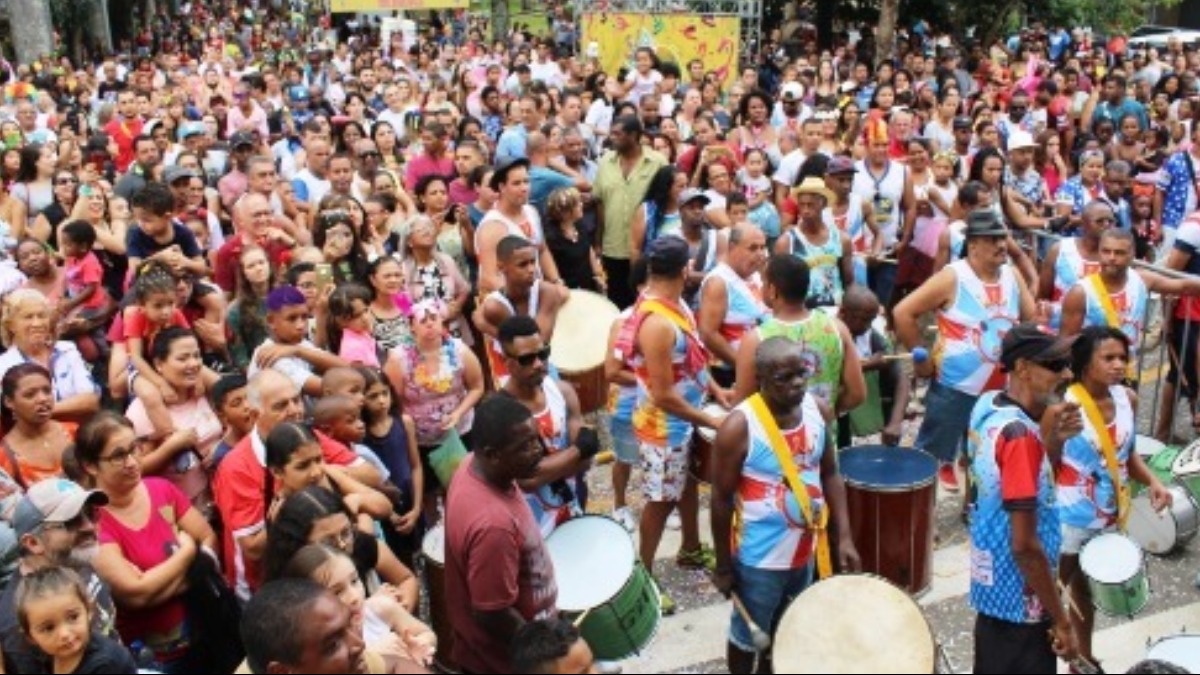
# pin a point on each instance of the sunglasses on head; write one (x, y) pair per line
(526, 360)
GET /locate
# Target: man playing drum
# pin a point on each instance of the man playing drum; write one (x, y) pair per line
(671, 366)
(731, 299)
(978, 299)
(1093, 481)
(523, 293)
(498, 571)
(835, 375)
(774, 443)
(1015, 533)
(570, 447)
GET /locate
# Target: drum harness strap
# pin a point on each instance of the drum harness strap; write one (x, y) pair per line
(1110, 310)
(783, 454)
(1106, 447)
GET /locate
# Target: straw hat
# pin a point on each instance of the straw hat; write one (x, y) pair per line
(814, 186)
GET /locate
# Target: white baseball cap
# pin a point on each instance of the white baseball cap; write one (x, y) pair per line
(792, 91)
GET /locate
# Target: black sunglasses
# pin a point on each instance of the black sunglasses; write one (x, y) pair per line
(1055, 365)
(526, 360)
(367, 155)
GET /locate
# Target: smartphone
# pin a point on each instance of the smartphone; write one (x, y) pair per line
(324, 277)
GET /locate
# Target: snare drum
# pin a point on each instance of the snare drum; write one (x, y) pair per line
(1180, 650)
(1160, 464)
(1160, 532)
(848, 640)
(433, 550)
(600, 578)
(1116, 574)
(890, 496)
(579, 346)
(1186, 469)
(700, 464)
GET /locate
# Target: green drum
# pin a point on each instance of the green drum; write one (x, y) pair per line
(604, 587)
(1116, 574)
(1161, 462)
(1186, 469)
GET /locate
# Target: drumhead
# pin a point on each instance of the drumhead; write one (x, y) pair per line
(1111, 558)
(1154, 531)
(433, 546)
(593, 559)
(848, 640)
(1181, 650)
(580, 340)
(713, 410)
(1147, 446)
(883, 468)
(1187, 463)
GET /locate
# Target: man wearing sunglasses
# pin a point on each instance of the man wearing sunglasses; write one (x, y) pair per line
(55, 525)
(1015, 533)
(554, 492)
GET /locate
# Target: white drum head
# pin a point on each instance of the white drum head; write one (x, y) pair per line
(870, 611)
(1180, 650)
(580, 340)
(1111, 559)
(1154, 531)
(433, 546)
(1147, 446)
(593, 559)
(712, 410)
(1187, 463)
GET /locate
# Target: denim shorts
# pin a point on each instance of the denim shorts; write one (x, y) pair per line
(766, 594)
(625, 443)
(947, 416)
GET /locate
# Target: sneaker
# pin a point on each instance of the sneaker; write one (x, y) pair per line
(948, 477)
(703, 558)
(673, 521)
(668, 605)
(625, 517)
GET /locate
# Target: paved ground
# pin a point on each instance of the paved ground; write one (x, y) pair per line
(693, 641)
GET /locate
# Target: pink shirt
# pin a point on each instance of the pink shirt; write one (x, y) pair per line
(256, 119)
(424, 165)
(359, 348)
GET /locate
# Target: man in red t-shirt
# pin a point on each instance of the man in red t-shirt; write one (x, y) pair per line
(254, 220)
(498, 570)
(124, 128)
(239, 484)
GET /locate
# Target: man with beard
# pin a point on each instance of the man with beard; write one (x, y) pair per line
(54, 525)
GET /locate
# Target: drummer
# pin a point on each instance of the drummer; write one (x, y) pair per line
(859, 311)
(768, 559)
(670, 362)
(523, 293)
(1015, 532)
(551, 492)
(1089, 503)
(731, 299)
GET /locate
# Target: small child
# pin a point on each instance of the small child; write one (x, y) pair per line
(1147, 234)
(351, 325)
(55, 614)
(737, 207)
(87, 301)
(394, 439)
(288, 350)
(757, 187)
(228, 399)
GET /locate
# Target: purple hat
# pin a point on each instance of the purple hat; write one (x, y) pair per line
(284, 296)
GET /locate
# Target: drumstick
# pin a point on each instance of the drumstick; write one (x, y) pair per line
(603, 457)
(581, 618)
(918, 355)
(762, 641)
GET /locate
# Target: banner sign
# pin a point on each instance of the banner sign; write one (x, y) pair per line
(614, 37)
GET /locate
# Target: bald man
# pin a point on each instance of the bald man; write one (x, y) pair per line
(731, 298)
(543, 180)
(254, 225)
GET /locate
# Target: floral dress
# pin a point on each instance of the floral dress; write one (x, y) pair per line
(430, 397)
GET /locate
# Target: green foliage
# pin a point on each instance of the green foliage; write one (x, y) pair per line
(1104, 16)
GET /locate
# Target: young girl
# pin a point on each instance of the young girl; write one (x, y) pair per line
(55, 614)
(246, 320)
(757, 187)
(1146, 232)
(153, 310)
(351, 325)
(394, 439)
(388, 629)
(644, 78)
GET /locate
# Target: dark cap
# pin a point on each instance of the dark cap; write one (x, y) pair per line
(241, 138)
(175, 173)
(500, 175)
(984, 223)
(1035, 343)
(962, 122)
(839, 165)
(667, 256)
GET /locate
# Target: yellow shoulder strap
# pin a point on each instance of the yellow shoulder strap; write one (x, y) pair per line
(784, 455)
(656, 307)
(1106, 303)
(1096, 419)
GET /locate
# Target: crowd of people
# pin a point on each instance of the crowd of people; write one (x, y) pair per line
(276, 306)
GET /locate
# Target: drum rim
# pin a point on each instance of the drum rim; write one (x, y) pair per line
(1115, 536)
(935, 645)
(637, 562)
(885, 489)
(892, 488)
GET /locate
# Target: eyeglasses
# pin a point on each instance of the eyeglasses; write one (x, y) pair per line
(526, 360)
(1056, 365)
(340, 540)
(121, 457)
(371, 154)
(66, 180)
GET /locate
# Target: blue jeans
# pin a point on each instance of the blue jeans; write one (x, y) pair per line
(766, 594)
(947, 415)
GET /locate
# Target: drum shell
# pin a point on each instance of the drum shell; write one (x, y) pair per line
(1123, 598)
(433, 553)
(579, 346)
(1153, 530)
(701, 462)
(591, 387)
(891, 497)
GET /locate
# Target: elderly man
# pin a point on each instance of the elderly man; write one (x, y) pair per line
(1072, 258)
(238, 485)
(254, 225)
(731, 299)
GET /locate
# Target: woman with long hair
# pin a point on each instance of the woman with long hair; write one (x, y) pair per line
(388, 144)
(659, 214)
(247, 325)
(454, 234)
(338, 238)
(34, 442)
(347, 137)
(34, 184)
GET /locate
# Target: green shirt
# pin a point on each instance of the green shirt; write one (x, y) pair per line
(822, 345)
(622, 196)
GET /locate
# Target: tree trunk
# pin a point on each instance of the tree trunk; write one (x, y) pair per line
(825, 11)
(99, 26)
(499, 20)
(885, 34)
(32, 29)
